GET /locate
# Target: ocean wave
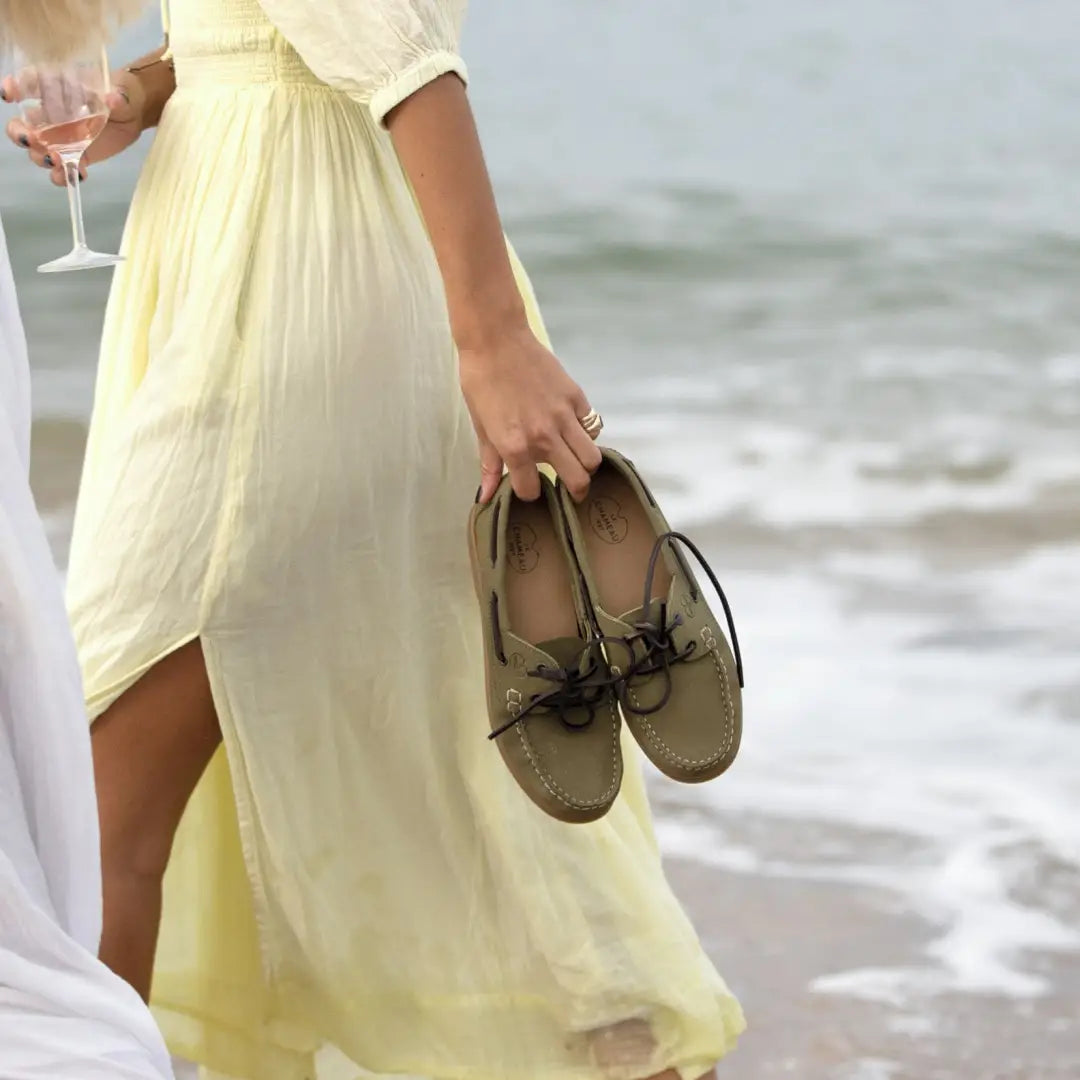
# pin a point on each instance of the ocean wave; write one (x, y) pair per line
(877, 762)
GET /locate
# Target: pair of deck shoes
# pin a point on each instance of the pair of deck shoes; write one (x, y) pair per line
(591, 615)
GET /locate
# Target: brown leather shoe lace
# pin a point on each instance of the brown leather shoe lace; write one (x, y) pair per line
(573, 689)
(651, 648)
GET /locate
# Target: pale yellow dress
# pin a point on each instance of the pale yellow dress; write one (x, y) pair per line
(280, 464)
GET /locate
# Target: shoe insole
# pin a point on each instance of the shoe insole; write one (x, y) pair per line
(619, 539)
(538, 584)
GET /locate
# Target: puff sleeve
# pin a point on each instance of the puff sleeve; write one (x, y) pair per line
(379, 52)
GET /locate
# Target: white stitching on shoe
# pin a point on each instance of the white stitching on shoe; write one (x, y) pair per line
(654, 736)
(563, 796)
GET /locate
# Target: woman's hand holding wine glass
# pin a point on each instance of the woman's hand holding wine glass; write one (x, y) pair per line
(127, 108)
(65, 107)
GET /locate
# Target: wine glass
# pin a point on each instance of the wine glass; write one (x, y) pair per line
(63, 105)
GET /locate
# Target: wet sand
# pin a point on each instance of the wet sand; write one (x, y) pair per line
(774, 936)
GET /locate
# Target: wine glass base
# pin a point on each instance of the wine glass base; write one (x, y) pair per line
(79, 259)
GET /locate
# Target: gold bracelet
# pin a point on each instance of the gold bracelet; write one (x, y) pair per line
(165, 58)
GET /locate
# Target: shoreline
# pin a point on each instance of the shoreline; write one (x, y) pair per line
(780, 940)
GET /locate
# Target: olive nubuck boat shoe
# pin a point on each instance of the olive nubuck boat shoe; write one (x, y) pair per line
(680, 683)
(551, 697)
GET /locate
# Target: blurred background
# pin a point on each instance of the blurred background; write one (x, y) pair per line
(819, 265)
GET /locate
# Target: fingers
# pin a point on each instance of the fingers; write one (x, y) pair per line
(26, 140)
(61, 97)
(60, 180)
(118, 103)
(126, 99)
(57, 175)
(18, 133)
(580, 402)
(526, 421)
(55, 167)
(525, 480)
(519, 461)
(582, 460)
(568, 449)
(520, 456)
(584, 445)
(571, 472)
(491, 471)
(13, 88)
(576, 458)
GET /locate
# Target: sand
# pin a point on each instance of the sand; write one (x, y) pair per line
(773, 937)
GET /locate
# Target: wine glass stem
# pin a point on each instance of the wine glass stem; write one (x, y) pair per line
(71, 175)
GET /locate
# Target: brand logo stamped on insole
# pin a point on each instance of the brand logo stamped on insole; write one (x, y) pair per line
(521, 549)
(607, 520)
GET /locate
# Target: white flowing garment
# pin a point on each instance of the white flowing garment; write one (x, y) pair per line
(63, 1014)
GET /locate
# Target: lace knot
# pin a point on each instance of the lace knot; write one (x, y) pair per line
(573, 689)
(652, 648)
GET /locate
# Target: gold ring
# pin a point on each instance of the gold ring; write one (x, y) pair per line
(593, 423)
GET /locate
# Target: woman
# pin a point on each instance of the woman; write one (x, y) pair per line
(317, 311)
(63, 1014)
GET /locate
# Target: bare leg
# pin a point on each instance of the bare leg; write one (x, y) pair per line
(150, 748)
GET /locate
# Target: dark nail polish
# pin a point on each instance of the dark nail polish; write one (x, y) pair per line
(478, 490)
(3, 94)
(49, 160)
(24, 142)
